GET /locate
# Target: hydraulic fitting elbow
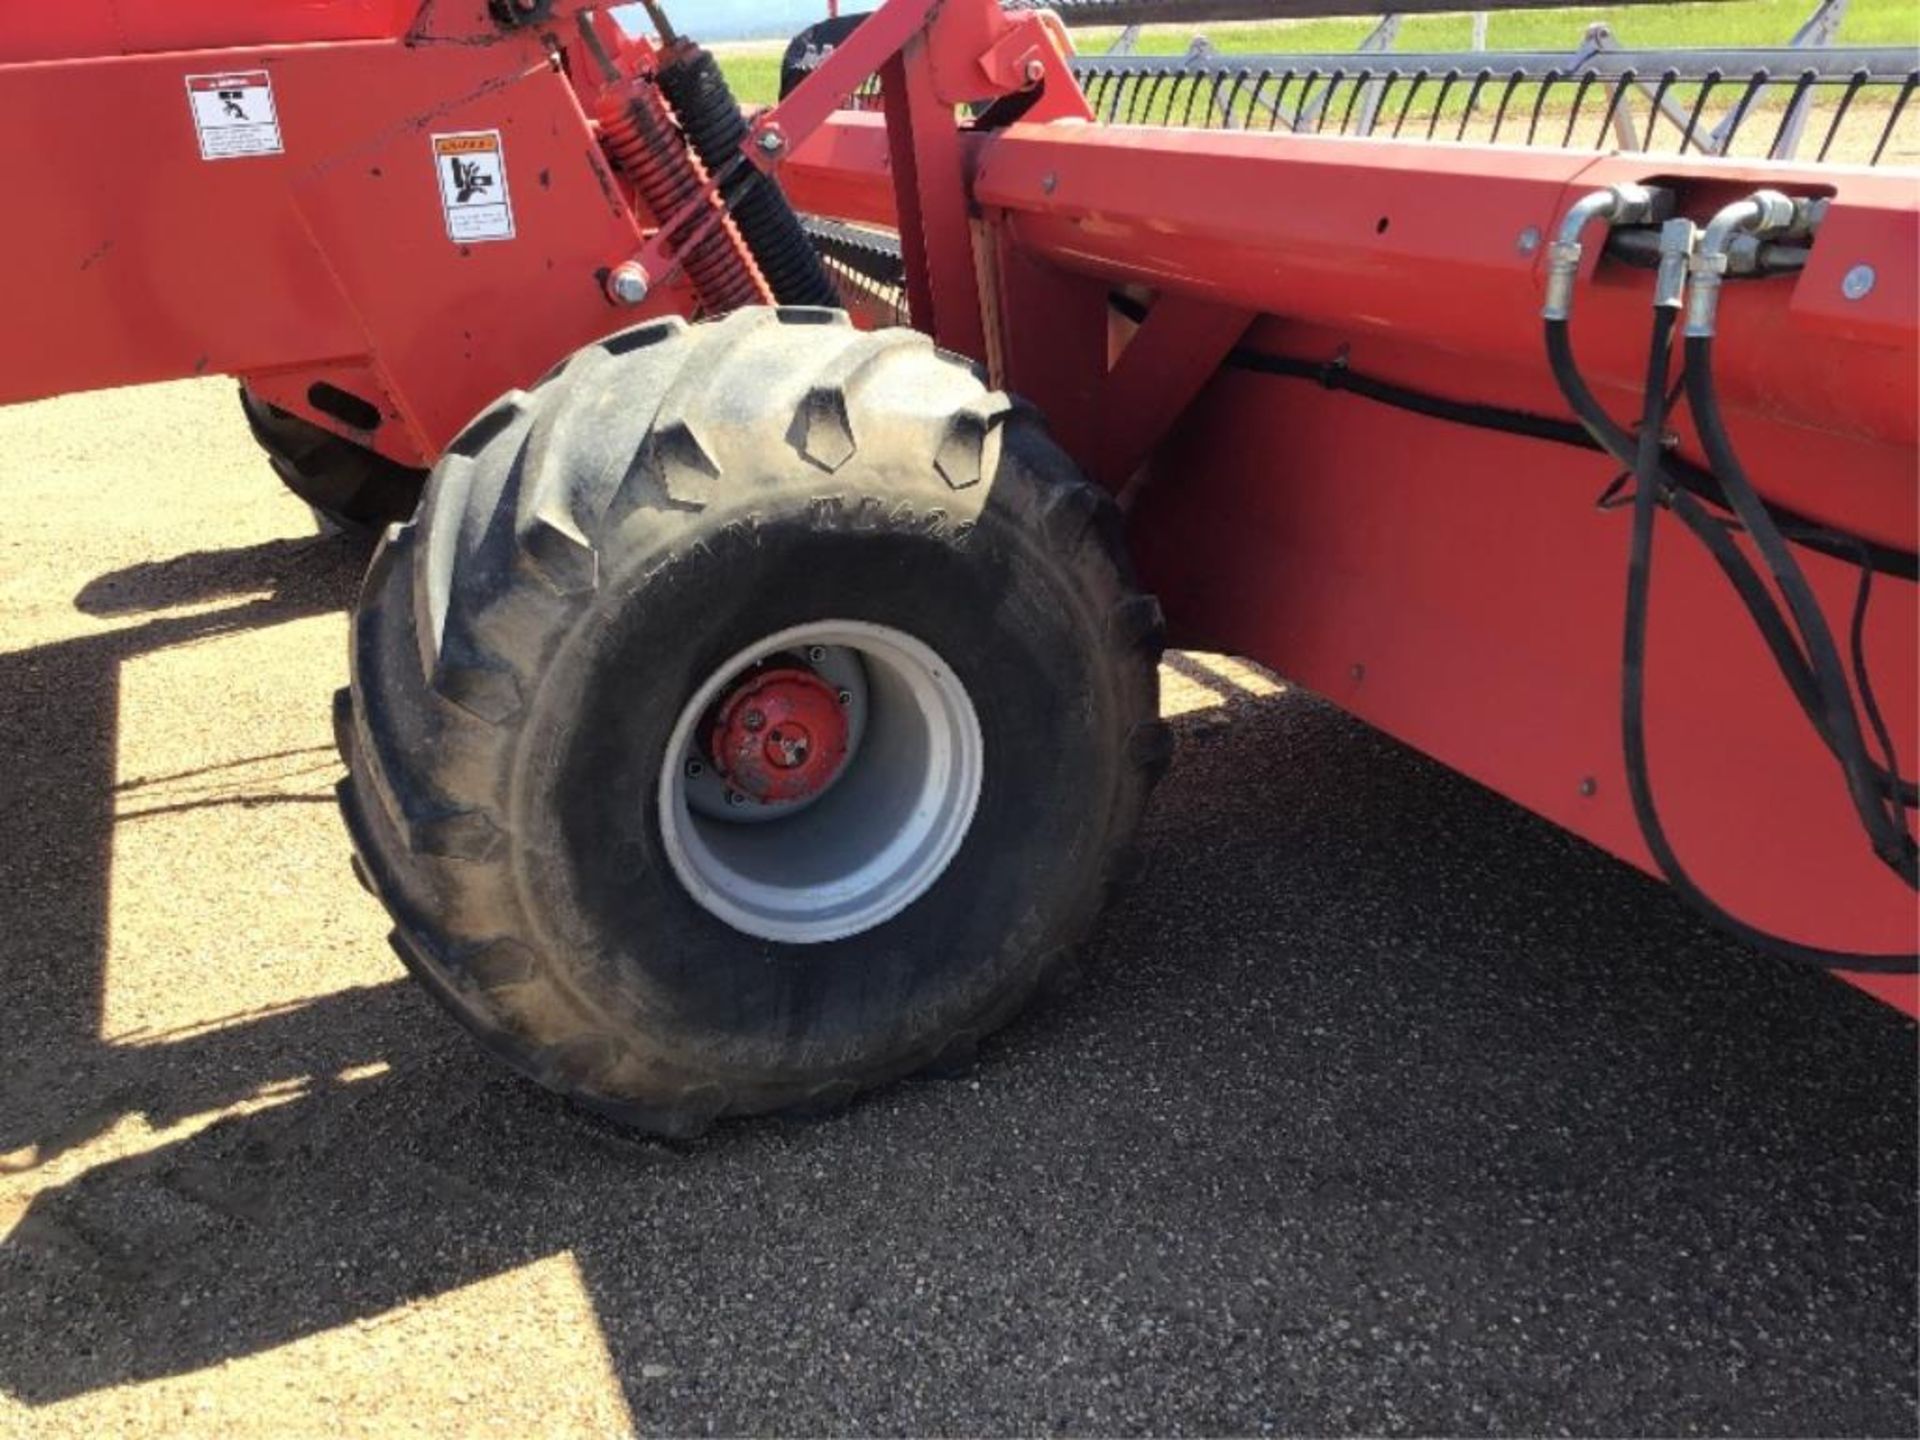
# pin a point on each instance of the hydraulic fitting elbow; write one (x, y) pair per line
(1762, 213)
(1616, 205)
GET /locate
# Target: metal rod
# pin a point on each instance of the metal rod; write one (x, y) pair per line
(1886, 64)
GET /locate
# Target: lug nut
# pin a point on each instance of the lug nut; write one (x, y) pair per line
(753, 720)
(694, 769)
(816, 653)
(771, 142)
(845, 697)
(734, 797)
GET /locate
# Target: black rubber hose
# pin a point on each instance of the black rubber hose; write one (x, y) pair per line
(1906, 792)
(1650, 486)
(1781, 640)
(710, 116)
(1336, 374)
(1891, 840)
(1617, 442)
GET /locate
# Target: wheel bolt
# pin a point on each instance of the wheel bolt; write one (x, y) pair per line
(816, 653)
(694, 768)
(844, 696)
(753, 720)
(734, 797)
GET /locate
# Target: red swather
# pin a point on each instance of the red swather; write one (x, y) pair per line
(1455, 587)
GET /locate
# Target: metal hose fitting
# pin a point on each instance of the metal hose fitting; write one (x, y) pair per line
(1677, 239)
(1764, 212)
(1616, 205)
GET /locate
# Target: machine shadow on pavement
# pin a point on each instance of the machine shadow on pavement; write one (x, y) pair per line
(1381, 1106)
(59, 727)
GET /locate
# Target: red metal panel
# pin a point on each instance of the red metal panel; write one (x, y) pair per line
(902, 163)
(843, 169)
(392, 437)
(1411, 239)
(1459, 590)
(1455, 587)
(1054, 341)
(1385, 239)
(937, 241)
(453, 325)
(147, 262)
(93, 28)
(1164, 366)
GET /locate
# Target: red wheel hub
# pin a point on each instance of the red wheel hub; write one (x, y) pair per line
(780, 735)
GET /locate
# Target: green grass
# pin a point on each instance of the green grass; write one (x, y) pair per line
(1732, 22)
(756, 77)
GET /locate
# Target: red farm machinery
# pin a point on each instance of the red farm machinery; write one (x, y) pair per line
(759, 703)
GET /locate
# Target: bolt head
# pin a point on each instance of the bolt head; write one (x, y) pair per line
(1035, 71)
(695, 769)
(1589, 786)
(734, 797)
(1049, 182)
(816, 653)
(753, 719)
(771, 142)
(1529, 240)
(627, 284)
(845, 697)
(1858, 282)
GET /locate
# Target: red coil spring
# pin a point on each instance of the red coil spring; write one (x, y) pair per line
(639, 133)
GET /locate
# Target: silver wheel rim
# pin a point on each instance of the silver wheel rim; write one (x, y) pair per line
(877, 835)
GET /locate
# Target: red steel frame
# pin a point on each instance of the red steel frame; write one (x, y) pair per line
(1455, 587)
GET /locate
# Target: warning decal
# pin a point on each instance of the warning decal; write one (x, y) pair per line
(473, 186)
(234, 114)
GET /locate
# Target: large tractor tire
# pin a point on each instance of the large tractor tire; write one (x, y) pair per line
(753, 712)
(346, 485)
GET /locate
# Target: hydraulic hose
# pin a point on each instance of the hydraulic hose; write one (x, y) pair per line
(1891, 840)
(1880, 795)
(1633, 686)
(1653, 486)
(1816, 690)
(1707, 528)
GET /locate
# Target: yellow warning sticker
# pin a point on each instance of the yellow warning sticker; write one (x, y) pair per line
(472, 172)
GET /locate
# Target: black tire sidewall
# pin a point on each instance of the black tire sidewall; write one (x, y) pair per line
(354, 488)
(999, 611)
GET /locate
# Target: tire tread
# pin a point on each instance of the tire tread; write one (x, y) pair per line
(482, 602)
